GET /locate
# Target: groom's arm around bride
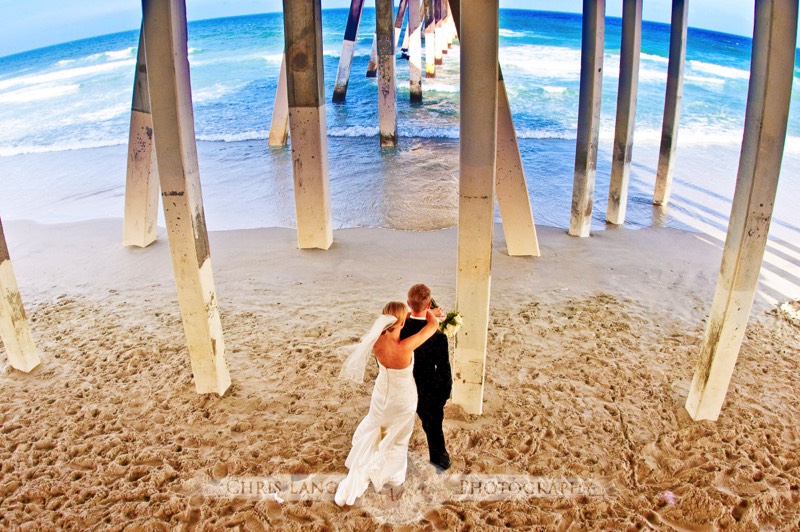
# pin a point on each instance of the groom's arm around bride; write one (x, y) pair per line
(432, 375)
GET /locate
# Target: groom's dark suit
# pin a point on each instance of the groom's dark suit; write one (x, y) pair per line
(434, 382)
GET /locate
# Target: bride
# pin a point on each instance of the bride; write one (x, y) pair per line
(380, 443)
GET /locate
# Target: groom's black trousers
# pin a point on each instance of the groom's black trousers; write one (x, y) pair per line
(431, 413)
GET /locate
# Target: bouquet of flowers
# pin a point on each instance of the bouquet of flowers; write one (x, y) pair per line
(451, 323)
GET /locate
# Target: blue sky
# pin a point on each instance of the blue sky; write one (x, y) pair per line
(30, 24)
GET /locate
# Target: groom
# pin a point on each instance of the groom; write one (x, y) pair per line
(432, 374)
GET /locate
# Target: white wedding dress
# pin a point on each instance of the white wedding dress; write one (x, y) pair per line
(380, 443)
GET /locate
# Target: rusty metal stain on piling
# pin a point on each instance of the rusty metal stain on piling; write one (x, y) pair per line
(385, 45)
(4, 256)
(14, 303)
(299, 58)
(200, 237)
(709, 353)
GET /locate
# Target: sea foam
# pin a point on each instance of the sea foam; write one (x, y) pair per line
(719, 70)
(66, 74)
(542, 61)
(38, 93)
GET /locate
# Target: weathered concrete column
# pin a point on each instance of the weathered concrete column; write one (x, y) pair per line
(414, 52)
(445, 25)
(14, 328)
(768, 97)
(141, 183)
(348, 45)
(512, 189)
(279, 128)
(438, 36)
(479, 44)
(302, 22)
(626, 110)
(672, 101)
(398, 20)
(372, 66)
(404, 44)
(580, 222)
(387, 99)
(452, 32)
(176, 156)
(430, 39)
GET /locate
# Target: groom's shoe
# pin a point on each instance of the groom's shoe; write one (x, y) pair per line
(442, 461)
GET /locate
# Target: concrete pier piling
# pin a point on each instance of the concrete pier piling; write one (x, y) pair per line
(591, 86)
(672, 101)
(165, 37)
(348, 45)
(768, 98)
(479, 46)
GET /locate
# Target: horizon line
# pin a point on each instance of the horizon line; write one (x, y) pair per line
(572, 14)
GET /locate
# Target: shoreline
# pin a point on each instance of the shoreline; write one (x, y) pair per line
(247, 185)
(656, 258)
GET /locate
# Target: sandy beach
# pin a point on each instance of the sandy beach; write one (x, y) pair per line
(591, 352)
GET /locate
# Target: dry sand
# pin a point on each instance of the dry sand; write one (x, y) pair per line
(591, 351)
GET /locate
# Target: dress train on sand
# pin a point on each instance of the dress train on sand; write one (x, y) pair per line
(380, 443)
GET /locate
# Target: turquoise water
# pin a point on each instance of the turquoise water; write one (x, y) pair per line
(65, 109)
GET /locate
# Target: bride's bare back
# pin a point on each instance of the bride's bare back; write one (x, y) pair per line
(394, 353)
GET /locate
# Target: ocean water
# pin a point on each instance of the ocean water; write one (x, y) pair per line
(65, 109)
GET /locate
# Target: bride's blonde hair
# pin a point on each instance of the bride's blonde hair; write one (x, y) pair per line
(398, 310)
